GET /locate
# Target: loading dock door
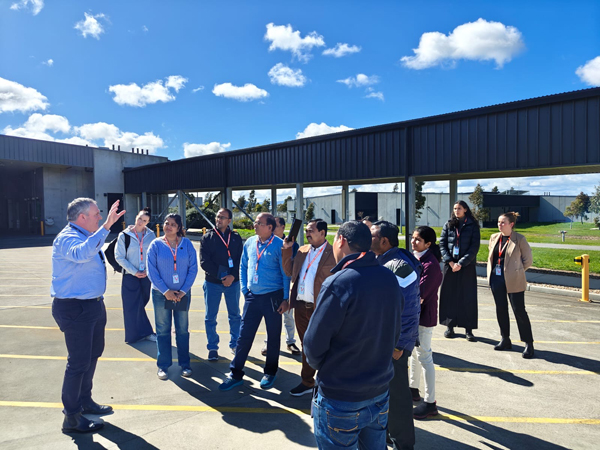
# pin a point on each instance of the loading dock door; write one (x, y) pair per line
(111, 198)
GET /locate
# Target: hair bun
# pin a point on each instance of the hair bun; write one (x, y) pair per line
(147, 209)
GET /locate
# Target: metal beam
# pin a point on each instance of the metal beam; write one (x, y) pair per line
(242, 210)
(300, 211)
(453, 195)
(181, 207)
(345, 203)
(274, 200)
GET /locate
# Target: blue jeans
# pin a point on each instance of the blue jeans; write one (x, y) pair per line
(352, 425)
(212, 300)
(163, 318)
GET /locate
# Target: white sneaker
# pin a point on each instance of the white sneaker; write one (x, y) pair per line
(162, 375)
(186, 373)
(151, 337)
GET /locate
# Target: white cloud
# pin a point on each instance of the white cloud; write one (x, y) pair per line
(110, 135)
(590, 72)
(16, 97)
(341, 50)
(153, 92)
(145, 29)
(317, 129)
(48, 63)
(372, 93)
(37, 126)
(283, 37)
(477, 41)
(284, 76)
(360, 80)
(245, 93)
(35, 5)
(91, 26)
(191, 150)
(198, 89)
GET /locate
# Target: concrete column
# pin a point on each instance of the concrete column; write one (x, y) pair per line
(410, 209)
(144, 200)
(182, 208)
(453, 195)
(345, 203)
(300, 211)
(274, 201)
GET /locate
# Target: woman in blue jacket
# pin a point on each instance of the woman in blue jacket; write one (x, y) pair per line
(172, 269)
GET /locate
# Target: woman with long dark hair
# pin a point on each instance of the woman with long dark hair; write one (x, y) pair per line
(509, 257)
(172, 268)
(131, 252)
(426, 250)
(459, 245)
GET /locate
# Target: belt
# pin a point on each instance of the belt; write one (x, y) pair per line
(78, 299)
(307, 305)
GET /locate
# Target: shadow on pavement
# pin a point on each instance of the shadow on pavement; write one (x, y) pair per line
(460, 365)
(501, 436)
(122, 438)
(428, 440)
(25, 241)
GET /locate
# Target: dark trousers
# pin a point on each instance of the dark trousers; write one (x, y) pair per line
(401, 424)
(135, 294)
(517, 301)
(303, 315)
(83, 323)
(255, 308)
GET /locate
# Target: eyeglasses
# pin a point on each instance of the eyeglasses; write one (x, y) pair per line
(222, 217)
(258, 224)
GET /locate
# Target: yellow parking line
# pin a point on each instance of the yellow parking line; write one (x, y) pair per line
(537, 342)
(257, 362)
(108, 307)
(550, 321)
(522, 371)
(547, 420)
(106, 329)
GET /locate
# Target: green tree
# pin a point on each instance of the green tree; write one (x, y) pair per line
(595, 201)
(251, 206)
(211, 201)
(419, 199)
(579, 207)
(310, 212)
(570, 213)
(396, 189)
(495, 190)
(479, 212)
(241, 202)
(259, 208)
(266, 205)
(282, 207)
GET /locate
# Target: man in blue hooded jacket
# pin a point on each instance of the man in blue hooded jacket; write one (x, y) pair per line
(408, 270)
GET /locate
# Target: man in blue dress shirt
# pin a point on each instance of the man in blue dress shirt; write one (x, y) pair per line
(266, 289)
(78, 285)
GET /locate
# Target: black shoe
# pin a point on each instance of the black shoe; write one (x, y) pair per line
(425, 410)
(469, 336)
(416, 397)
(95, 408)
(528, 352)
(294, 350)
(449, 333)
(504, 344)
(300, 390)
(77, 423)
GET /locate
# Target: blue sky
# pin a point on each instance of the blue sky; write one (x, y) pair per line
(187, 78)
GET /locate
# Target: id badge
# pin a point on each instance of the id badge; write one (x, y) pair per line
(230, 262)
(176, 278)
(255, 279)
(301, 289)
(142, 267)
(455, 251)
(498, 270)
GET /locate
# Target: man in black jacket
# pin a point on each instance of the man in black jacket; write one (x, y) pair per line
(350, 340)
(220, 254)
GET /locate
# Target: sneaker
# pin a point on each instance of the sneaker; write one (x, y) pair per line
(300, 390)
(162, 374)
(186, 373)
(449, 333)
(416, 397)
(267, 381)
(294, 350)
(263, 351)
(213, 355)
(230, 383)
(504, 344)
(151, 337)
(425, 410)
(232, 349)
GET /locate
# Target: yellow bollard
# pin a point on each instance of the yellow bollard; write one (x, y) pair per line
(123, 224)
(584, 262)
(42, 227)
(157, 230)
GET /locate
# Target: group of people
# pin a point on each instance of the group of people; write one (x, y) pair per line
(365, 308)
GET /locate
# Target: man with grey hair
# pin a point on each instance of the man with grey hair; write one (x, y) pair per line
(78, 285)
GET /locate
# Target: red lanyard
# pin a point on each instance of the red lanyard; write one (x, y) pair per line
(174, 253)
(228, 239)
(458, 232)
(313, 260)
(263, 250)
(350, 262)
(501, 250)
(141, 244)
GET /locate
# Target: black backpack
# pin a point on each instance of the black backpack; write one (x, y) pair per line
(110, 252)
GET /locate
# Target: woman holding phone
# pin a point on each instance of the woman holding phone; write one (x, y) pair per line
(172, 269)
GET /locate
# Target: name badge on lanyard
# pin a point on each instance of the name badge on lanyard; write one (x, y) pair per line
(230, 262)
(255, 278)
(498, 269)
(174, 253)
(301, 289)
(142, 266)
(258, 256)
(455, 251)
(176, 278)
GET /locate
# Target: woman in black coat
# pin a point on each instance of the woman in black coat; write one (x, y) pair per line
(459, 245)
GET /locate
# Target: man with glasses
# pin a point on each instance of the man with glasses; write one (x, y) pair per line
(220, 254)
(266, 289)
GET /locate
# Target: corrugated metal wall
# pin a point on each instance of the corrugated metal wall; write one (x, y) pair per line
(31, 150)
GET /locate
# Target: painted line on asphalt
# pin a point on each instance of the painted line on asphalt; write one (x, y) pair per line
(537, 342)
(108, 307)
(106, 329)
(548, 321)
(306, 412)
